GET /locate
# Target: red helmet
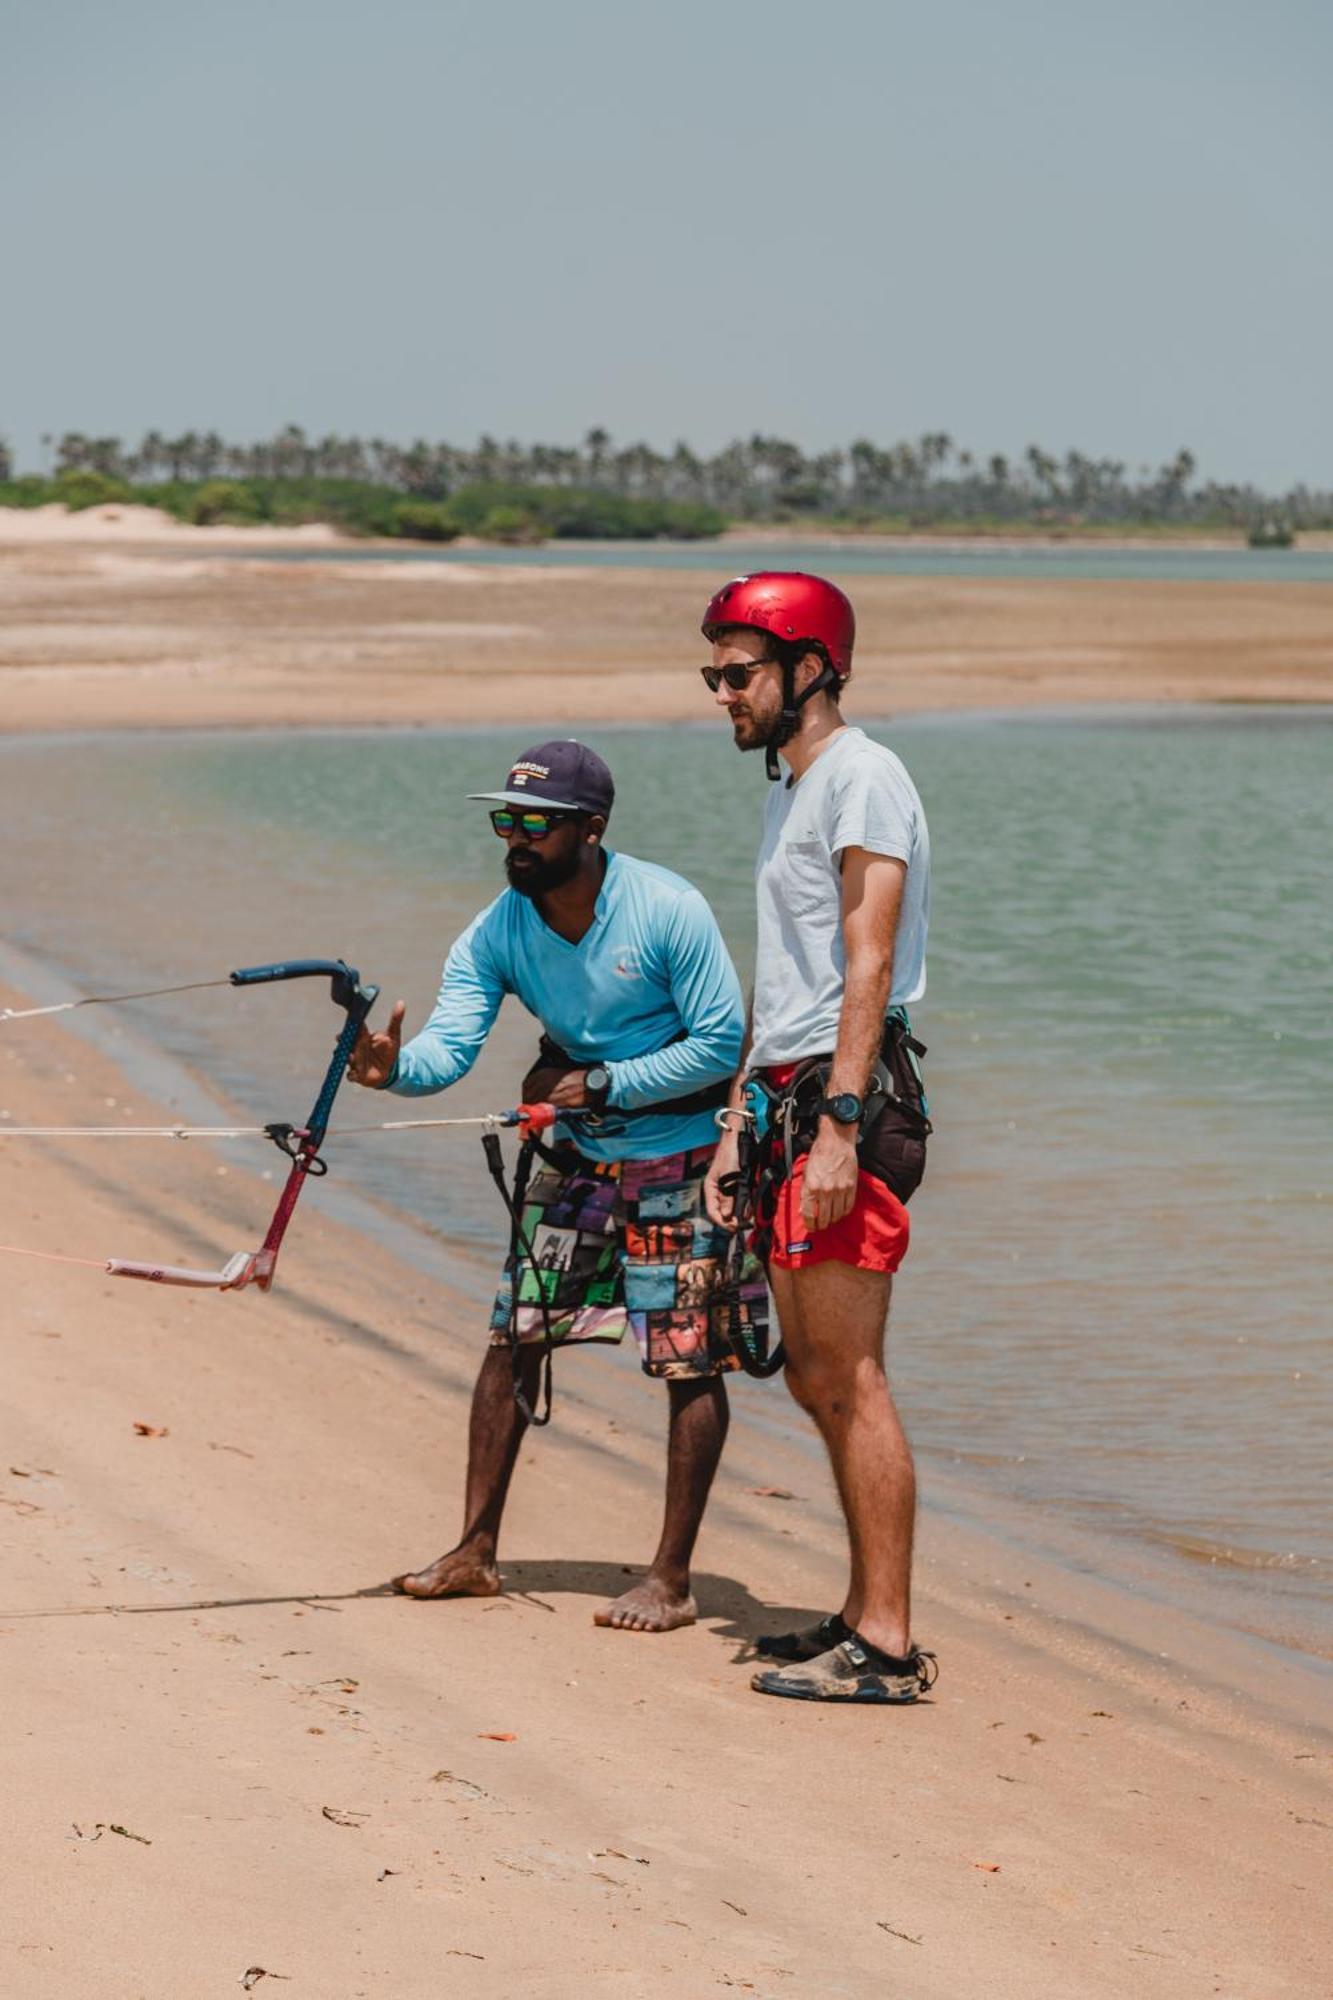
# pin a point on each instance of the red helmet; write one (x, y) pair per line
(790, 605)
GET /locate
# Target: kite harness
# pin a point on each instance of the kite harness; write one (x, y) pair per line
(777, 1125)
(533, 1119)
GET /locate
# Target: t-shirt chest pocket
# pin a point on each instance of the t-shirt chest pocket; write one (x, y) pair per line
(805, 879)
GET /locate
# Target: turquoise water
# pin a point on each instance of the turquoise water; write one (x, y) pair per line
(1014, 559)
(1117, 1302)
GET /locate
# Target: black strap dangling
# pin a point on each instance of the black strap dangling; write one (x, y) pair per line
(520, 1247)
(790, 719)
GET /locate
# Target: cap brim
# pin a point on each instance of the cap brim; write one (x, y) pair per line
(526, 799)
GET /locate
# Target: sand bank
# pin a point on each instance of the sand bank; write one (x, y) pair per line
(55, 526)
(228, 1748)
(125, 637)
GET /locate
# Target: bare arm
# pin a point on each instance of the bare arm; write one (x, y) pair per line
(722, 1207)
(872, 899)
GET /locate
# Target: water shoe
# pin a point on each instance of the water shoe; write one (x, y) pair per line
(854, 1670)
(807, 1645)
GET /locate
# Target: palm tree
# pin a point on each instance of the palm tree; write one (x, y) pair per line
(597, 446)
(685, 474)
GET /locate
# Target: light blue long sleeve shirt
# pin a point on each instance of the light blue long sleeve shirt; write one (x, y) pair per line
(649, 991)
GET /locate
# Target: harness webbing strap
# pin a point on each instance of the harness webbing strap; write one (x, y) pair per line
(520, 1247)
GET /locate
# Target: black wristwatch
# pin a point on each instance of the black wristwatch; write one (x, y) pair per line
(844, 1109)
(597, 1086)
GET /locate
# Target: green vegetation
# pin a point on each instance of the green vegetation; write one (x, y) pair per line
(80, 488)
(529, 493)
(223, 500)
(423, 521)
(502, 512)
(1271, 533)
(30, 491)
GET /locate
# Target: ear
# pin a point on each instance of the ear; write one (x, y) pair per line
(596, 828)
(808, 668)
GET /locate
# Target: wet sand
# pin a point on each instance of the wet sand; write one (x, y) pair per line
(117, 634)
(227, 1747)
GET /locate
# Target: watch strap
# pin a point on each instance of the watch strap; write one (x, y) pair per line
(840, 1105)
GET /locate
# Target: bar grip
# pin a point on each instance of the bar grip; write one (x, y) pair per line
(345, 988)
(293, 968)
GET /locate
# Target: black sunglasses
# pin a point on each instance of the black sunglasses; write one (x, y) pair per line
(736, 674)
(536, 825)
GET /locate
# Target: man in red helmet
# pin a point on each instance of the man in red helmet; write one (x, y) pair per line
(827, 1119)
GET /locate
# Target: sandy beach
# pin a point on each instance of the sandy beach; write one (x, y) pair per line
(197, 628)
(231, 1748)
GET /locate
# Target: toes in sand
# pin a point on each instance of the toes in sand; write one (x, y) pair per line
(649, 1606)
(456, 1574)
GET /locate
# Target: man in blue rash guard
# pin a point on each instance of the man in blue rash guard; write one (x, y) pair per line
(624, 966)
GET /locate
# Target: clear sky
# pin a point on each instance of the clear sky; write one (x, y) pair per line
(1105, 226)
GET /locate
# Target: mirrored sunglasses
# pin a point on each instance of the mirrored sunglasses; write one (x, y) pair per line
(536, 825)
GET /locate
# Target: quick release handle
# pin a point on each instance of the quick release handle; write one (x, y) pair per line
(531, 1117)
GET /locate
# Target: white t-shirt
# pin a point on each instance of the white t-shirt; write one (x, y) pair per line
(855, 794)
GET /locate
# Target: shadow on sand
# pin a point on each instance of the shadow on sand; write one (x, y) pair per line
(726, 1606)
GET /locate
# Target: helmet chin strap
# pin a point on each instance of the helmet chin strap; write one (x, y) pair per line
(790, 720)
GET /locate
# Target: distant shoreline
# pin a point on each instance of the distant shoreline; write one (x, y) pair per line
(224, 627)
(124, 523)
(1014, 536)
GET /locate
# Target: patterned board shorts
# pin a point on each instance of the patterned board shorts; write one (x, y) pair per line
(630, 1240)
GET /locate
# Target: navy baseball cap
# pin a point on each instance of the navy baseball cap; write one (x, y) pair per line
(564, 775)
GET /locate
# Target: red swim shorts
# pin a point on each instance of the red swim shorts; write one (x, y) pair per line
(872, 1236)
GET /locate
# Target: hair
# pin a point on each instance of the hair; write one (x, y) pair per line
(790, 653)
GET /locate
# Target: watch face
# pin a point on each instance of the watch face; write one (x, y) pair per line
(597, 1078)
(845, 1108)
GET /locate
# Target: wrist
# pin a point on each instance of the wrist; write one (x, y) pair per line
(845, 1108)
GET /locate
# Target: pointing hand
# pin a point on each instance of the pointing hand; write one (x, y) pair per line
(375, 1054)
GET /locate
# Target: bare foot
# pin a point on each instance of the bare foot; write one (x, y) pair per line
(457, 1574)
(650, 1606)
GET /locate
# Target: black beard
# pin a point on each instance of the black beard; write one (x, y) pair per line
(538, 876)
(761, 734)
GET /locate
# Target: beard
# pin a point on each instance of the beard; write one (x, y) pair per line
(535, 875)
(752, 732)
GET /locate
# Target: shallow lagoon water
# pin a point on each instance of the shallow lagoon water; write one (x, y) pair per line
(1116, 1307)
(1086, 561)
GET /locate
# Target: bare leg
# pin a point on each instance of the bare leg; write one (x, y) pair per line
(699, 1418)
(833, 1319)
(495, 1432)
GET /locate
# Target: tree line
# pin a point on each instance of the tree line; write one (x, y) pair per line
(603, 487)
